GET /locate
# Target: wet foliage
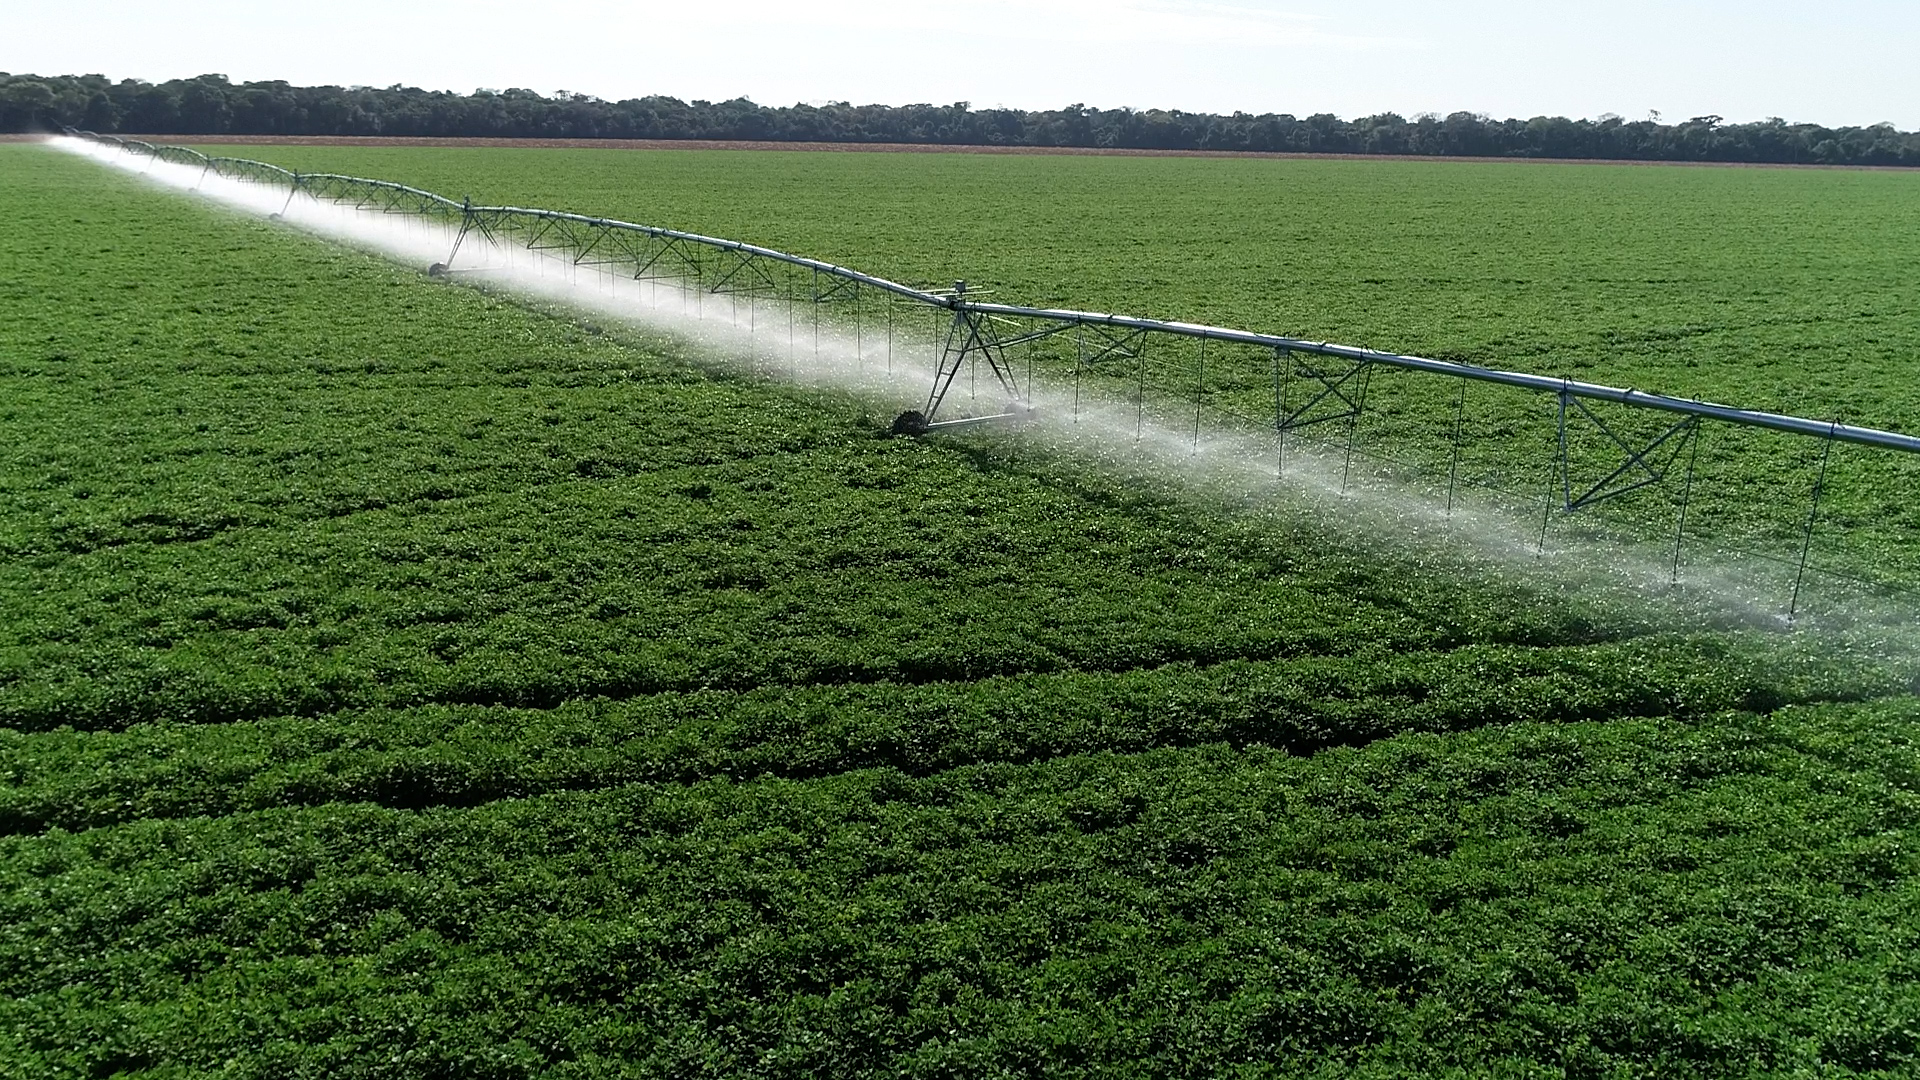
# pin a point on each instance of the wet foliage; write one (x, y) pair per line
(397, 681)
(1775, 290)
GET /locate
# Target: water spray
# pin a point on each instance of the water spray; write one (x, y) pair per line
(733, 297)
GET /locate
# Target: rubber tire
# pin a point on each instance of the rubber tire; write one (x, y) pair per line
(911, 422)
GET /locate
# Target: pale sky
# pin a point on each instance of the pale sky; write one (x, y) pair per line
(1833, 62)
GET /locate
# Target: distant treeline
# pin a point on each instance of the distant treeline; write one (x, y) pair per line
(211, 105)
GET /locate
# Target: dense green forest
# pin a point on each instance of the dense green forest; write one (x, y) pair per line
(213, 105)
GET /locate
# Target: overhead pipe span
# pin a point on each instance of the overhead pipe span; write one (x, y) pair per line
(1544, 383)
(474, 216)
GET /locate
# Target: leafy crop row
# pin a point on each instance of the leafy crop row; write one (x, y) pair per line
(465, 755)
(400, 682)
(1769, 289)
(1639, 897)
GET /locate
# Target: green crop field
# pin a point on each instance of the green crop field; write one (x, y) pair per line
(399, 681)
(1775, 289)
(1779, 288)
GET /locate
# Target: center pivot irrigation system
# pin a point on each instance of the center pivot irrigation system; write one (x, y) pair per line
(1266, 382)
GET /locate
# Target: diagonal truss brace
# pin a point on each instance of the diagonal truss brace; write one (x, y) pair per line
(1332, 388)
(747, 275)
(1125, 346)
(1644, 464)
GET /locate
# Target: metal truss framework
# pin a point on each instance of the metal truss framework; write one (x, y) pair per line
(1314, 383)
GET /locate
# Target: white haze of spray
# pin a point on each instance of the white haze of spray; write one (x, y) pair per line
(775, 339)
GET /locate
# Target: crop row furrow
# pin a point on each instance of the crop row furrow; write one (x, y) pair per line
(446, 489)
(583, 661)
(435, 755)
(1208, 911)
(862, 561)
(672, 724)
